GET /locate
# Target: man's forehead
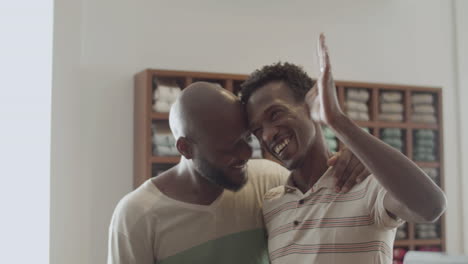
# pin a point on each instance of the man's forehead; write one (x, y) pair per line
(268, 96)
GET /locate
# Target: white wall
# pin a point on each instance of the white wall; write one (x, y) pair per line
(461, 60)
(100, 44)
(25, 107)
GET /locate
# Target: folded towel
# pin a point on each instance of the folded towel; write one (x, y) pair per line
(426, 234)
(391, 132)
(257, 154)
(363, 116)
(163, 140)
(396, 143)
(431, 227)
(356, 106)
(424, 157)
(328, 133)
(424, 109)
(424, 118)
(162, 93)
(423, 98)
(391, 97)
(332, 144)
(359, 95)
(175, 92)
(161, 106)
(401, 234)
(359, 116)
(391, 117)
(424, 152)
(165, 151)
(255, 144)
(420, 142)
(391, 108)
(425, 134)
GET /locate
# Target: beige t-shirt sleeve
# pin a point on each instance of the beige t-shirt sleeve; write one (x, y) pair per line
(130, 233)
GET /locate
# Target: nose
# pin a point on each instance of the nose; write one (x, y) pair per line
(268, 133)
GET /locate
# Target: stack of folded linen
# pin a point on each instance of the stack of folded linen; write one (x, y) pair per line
(393, 137)
(330, 139)
(164, 95)
(427, 230)
(401, 231)
(424, 145)
(423, 108)
(356, 104)
(256, 148)
(391, 106)
(163, 143)
(433, 249)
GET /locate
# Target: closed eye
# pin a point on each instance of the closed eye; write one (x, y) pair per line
(276, 114)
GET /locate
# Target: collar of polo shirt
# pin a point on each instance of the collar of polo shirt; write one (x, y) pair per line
(325, 181)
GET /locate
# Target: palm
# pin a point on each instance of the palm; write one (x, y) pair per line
(322, 98)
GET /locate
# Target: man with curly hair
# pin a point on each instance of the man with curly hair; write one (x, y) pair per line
(307, 222)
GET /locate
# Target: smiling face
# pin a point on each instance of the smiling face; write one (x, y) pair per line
(281, 123)
(221, 152)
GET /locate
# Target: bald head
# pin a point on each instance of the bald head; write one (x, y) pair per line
(201, 109)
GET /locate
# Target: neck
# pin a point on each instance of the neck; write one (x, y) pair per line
(195, 187)
(313, 166)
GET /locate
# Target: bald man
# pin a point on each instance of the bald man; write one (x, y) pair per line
(207, 208)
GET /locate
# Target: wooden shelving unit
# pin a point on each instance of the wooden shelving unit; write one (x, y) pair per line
(144, 161)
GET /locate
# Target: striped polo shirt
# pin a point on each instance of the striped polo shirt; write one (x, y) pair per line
(322, 226)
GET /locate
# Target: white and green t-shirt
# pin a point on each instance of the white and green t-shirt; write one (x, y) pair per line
(149, 227)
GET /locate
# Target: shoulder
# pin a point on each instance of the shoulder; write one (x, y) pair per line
(267, 168)
(135, 207)
(266, 174)
(274, 193)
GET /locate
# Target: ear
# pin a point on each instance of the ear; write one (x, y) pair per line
(185, 147)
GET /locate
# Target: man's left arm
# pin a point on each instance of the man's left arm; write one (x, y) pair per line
(411, 194)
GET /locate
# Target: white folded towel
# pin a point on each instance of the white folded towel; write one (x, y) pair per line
(360, 95)
(161, 106)
(257, 154)
(391, 108)
(391, 117)
(163, 93)
(162, 151)
(391, 97)
(424, 109)
(422, 99)
(359, 116)
(356, 106)
(175, 92)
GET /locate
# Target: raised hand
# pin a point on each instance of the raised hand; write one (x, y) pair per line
(322, 98)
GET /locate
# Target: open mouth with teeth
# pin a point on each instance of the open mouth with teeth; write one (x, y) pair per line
(279, 148)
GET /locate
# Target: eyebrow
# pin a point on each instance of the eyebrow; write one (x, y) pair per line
(252, 123)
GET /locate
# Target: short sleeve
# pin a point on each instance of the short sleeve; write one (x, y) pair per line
(130, 234)
(381, 215)
(270, 173)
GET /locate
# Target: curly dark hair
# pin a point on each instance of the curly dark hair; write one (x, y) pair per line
(294, 76)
